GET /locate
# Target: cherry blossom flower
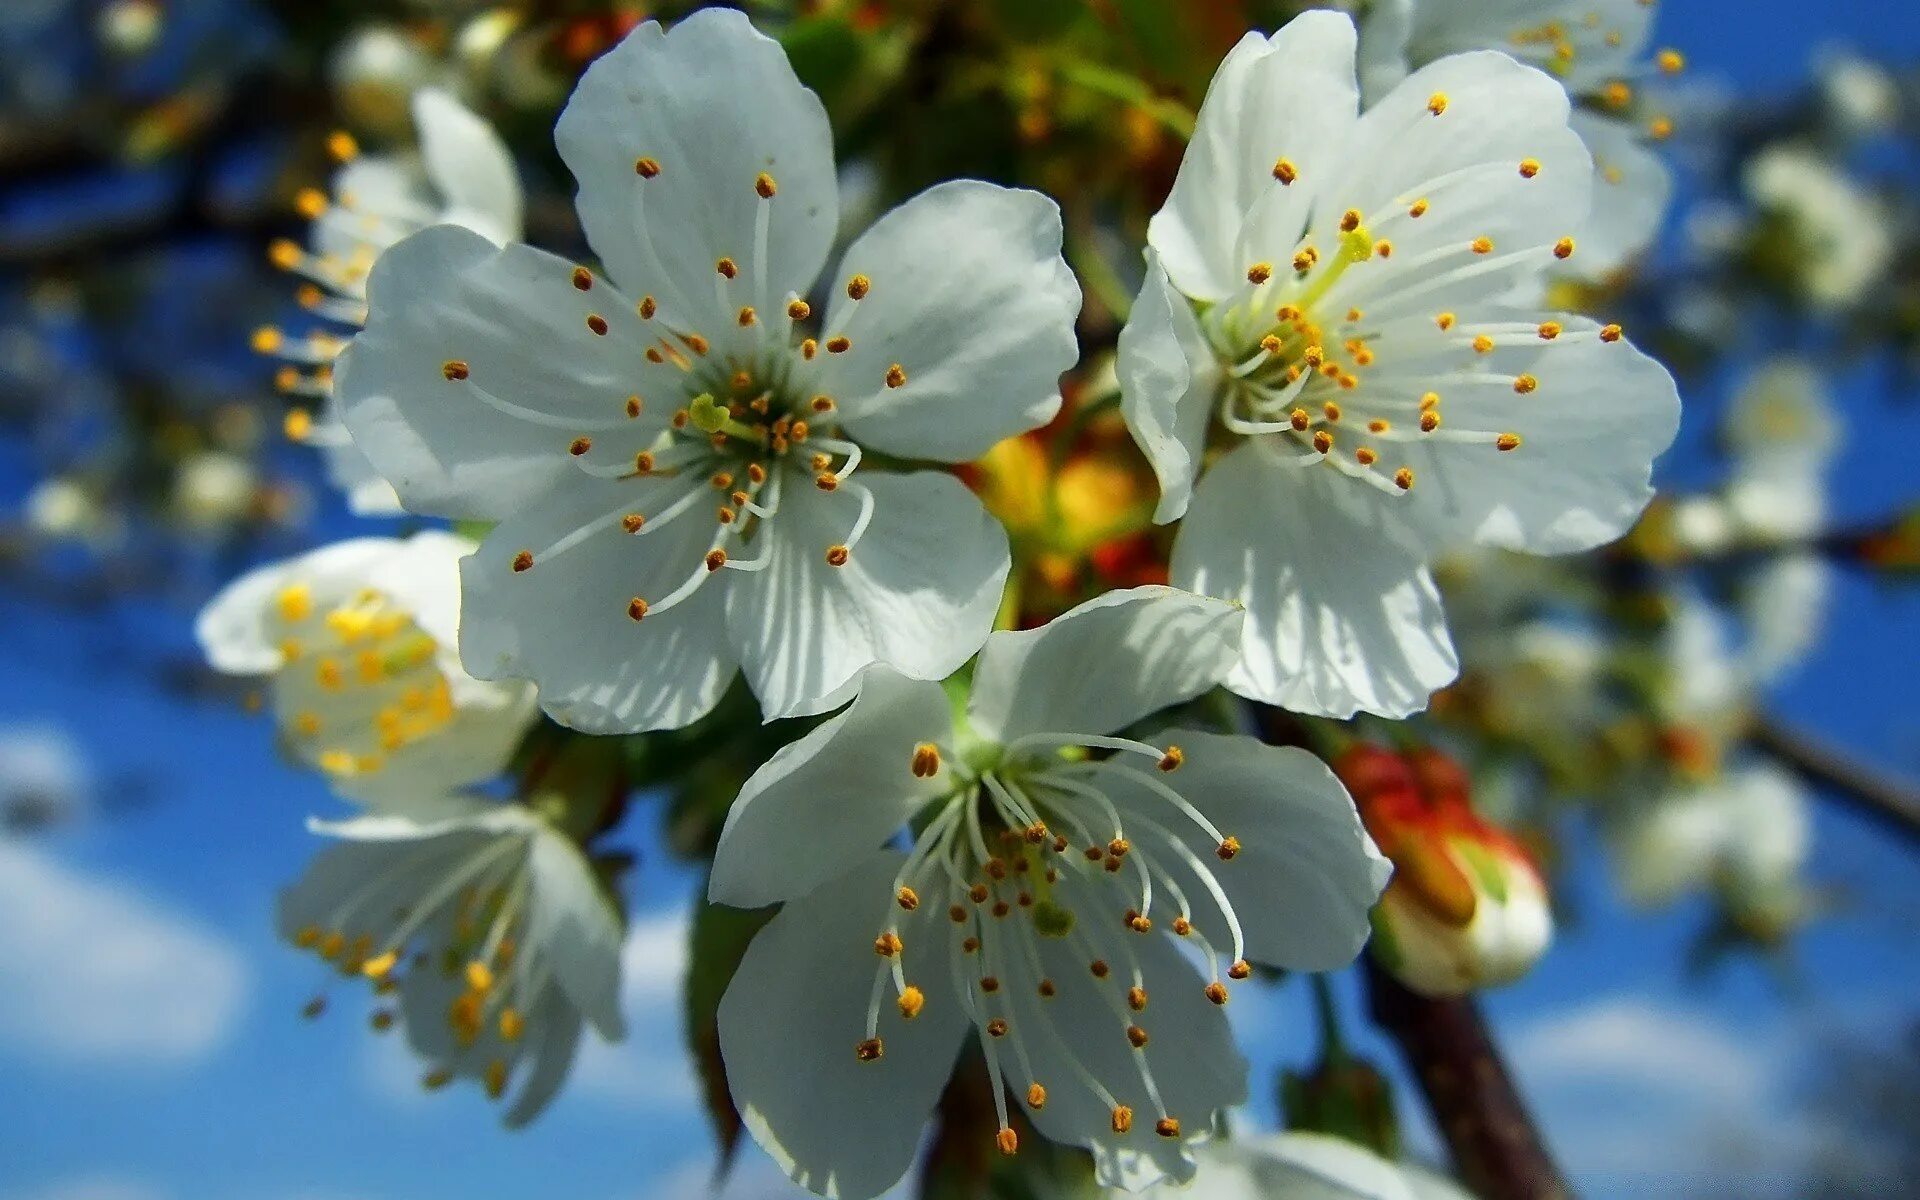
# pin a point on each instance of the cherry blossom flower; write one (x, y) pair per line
(1081, 917)
(357, 641)
(1598, 50)
(685, 461)
(482, 929)
(1328, 306)
(463, 175)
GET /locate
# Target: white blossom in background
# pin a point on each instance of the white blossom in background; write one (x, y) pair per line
(1074, 914)
(1840, 240)
(1329, 297)
(482, 930)
(1749, 828)
(214, 490)
(680, 455)
(1598, 51)
(1307, 1166)
(1782, 432)
(1861, 98)
(357, 640)
(463, 175)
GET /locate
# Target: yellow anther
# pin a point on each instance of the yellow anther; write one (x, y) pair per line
(512, 1024)
(479, 976)
(1285, 171)
(1482, 245)
(926, 760)
(496, 1079)
(838, 345)
(1379, 425)
(1671, 61)
(436, 1079)
(379, 967)
(1322, 441)
(295, 602)
(1171, 760)
(763, 184)
(1437, 103)
(267, 340)
(1228, 849)
(1549, 330)
(1122, 1119)
(911, 1001)
(1239, 970)
(887, 944)
(1137, 1037)
(1259, 272)
(284, 254)
(1217, 992)
(310, 203)
(1167, 1127)
(1617, 95)
(1008, 1141)
(907, 899)
(297, 425)
(637, 609)
(1350, 220)
(1403, 479)
(1563, 249)
(1429, 421)
(582, 279)
(1483, 344)
(1099, 968)
(1529, 167)
(1366, 456)
(716, 558)
(1507, 441)
(1660, 128)
(579, 446)
(1304, 260)
(1444, 320)
(1524, 384)
(1332, 410)
(646, 168)
(646, 308)
(896, 376)
(997, 1027)
(342, 147)
(1137, 999)
(1300, 419)
(597, 324)
(1036, 1096)
(1383, 248)
(1610, 333)
(1418, 209)
(858, 287)
(746, 316)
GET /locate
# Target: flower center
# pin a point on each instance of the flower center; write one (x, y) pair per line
(1035, 851)
(461, 938)
(359, 680)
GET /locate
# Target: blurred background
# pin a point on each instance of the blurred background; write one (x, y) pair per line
(1714, 1041)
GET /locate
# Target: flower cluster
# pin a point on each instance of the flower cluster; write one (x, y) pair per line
(698, 453)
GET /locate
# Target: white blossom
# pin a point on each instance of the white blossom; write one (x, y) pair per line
(1073, 913)
(1840, 240)
(1329, 307)
(357, 641)
(463, 175)
(1596, 49)
(671, 449)
(483, 930)
(1308, 1166)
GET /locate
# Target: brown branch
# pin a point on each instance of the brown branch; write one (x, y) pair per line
(1496, 1147)
(1891, 801)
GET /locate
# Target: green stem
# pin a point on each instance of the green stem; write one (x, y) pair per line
(1333, 1044)
(1119, 85)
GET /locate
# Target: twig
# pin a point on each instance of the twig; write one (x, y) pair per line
(1891, 801)
(1495, 1144)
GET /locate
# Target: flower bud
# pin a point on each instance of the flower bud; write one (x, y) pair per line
(1466, 908)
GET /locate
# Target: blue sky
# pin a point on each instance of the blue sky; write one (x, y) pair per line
(151, 1046)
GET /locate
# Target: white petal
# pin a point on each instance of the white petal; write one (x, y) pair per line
(1307, 873)
(537, 376)
(469, 166)
(1190, 1051)
(1590, 430)
(1316, 1166)
(715, 104)
(554, 1043)
(1631, 190)
(1168, 379)
(235, 629)
(1340, 616)
(1605, 35)
(1290, 96)
(1466, 163)
(972, 300)
(825, 802)
(1106, 664)
(1385, 32)
(1784, 604)
(564, 622)
(918, 594)
(794, 1013)
(573, 923)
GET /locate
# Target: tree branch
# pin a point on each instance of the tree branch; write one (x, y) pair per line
(1891, 801)
(1495, 1145)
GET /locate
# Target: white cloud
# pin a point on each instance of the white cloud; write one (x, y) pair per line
(89, 1187)
(98, 972)
(1637, 1095)
(651, 1068)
